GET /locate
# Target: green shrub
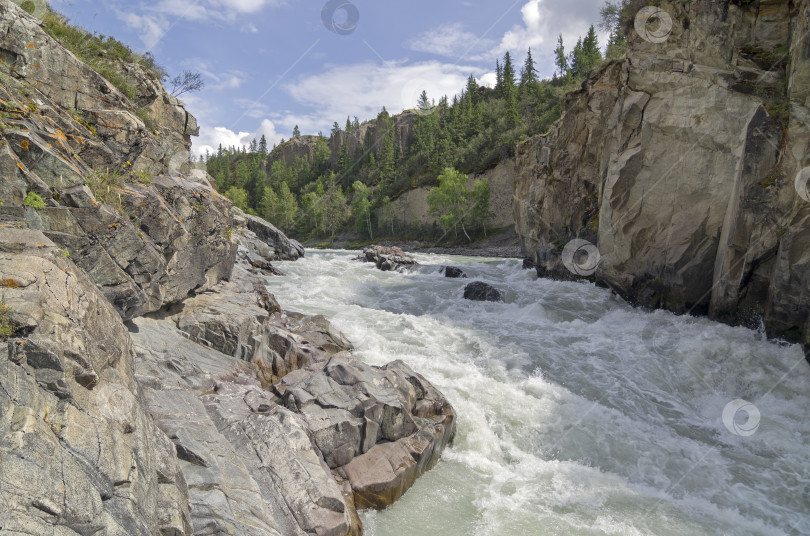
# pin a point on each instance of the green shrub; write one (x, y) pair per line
(7, 325)
(103, 183)
(34, 201)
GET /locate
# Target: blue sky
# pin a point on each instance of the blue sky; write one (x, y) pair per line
(269, 65)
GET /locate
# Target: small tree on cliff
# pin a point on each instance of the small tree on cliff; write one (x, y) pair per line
(187, 82)
(361, 208)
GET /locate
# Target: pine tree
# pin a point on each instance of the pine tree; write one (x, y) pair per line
(296, 132)
(335, 128)
(528, 76)
(560, 59)
(263, 145)
(591, 54)
(254, 146)
(424, 105)
(498, 78)
(348, 124)
(508, 72)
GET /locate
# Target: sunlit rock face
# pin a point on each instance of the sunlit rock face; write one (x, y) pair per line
(678, 164)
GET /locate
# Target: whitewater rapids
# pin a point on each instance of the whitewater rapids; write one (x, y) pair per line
(577, 414)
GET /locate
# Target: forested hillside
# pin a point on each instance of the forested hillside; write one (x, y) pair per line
(314, 186)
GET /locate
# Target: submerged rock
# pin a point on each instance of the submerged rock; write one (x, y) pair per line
(379, 428)
(388, 258)
(480, 291)
(452, 271)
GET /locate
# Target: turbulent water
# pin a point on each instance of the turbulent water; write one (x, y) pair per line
(577, 414)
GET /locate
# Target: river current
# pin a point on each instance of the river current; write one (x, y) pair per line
(577, 414)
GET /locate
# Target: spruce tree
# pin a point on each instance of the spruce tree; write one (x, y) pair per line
(528, 76)
(263, 145)
(560, 59)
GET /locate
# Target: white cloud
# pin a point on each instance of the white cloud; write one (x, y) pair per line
(450, 40)
(362, 89)
(151, 28)
(212, 137)
(543, 21)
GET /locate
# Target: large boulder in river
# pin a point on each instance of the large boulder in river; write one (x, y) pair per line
(480, 291)
(379, 428)
(453, 272)
(387, 258)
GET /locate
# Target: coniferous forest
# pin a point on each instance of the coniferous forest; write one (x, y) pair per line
(315, 187)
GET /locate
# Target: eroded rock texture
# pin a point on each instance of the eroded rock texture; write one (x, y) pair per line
(679, 164)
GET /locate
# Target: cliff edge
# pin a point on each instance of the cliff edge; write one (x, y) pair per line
(681, 170)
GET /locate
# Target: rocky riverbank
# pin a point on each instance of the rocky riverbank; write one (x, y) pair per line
(684, 168)
(149, 383)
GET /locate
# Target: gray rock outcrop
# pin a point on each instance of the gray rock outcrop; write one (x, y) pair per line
(678, 164)
(79, 453)
(480, 291)
(138, 345)
(379, 428)
(388, 258)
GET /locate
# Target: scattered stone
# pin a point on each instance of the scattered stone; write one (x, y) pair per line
(452, 271)
(480, 291)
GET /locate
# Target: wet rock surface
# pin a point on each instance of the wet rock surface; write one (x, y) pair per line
(379, 428)
(480, 291)
(388, 258)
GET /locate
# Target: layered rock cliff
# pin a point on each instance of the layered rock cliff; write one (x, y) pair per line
(682, 165)
(143, 358)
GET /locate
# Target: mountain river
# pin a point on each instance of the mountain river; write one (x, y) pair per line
(577, 414)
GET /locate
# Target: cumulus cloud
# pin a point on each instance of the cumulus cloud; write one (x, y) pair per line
(542, 22)
(450, 40)
(362, 89)
(212, 137)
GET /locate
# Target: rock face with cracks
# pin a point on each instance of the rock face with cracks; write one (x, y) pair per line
(137, 355)
(682, 164)
(379, 428)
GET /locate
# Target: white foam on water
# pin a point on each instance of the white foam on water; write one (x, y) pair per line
(577, 414)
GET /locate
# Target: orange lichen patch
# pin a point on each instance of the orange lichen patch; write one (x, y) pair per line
(49, 145)
(59, 135)
(8, 283)
(37, 65)
(32, 45)
(80, 139)
(24, 144)
(20, 166)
